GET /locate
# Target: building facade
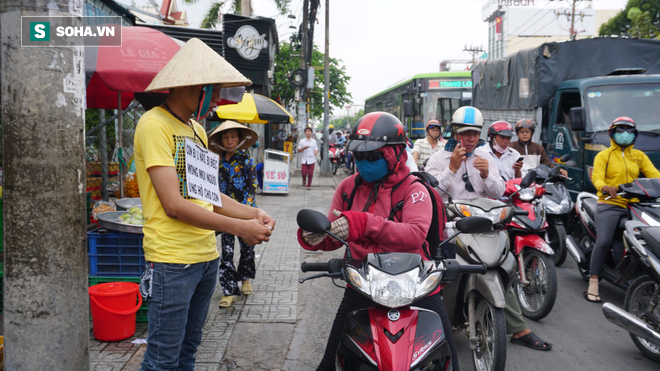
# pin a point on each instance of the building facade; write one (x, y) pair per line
(514, 25)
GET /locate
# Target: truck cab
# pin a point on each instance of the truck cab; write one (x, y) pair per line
(580, 115)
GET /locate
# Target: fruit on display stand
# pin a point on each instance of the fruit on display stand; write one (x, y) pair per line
(134, 216)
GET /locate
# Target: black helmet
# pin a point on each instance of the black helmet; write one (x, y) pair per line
(525, 124)
(375, 130)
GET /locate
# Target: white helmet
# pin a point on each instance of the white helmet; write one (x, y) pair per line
(467, 118)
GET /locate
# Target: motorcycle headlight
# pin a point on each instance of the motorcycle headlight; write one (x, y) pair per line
(527, 194)
(495, 215)
(556, 208)
(392, 291)
(651, 221)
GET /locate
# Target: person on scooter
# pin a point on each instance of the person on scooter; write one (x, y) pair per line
(462, 168)
(533, 153)
(378, 144)
(432, 143)
(616, 165)
(447, 166)
(499, 140)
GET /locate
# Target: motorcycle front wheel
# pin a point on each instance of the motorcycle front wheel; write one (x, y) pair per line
(637, 300)
(490, 329)
(335, 166)
(538, 295)
(555, 236)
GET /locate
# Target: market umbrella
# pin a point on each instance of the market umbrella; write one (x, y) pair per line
(254, 109)
(113, 72)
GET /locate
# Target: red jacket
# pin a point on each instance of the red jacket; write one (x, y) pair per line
(371, 231)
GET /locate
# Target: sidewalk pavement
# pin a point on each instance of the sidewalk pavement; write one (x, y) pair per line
(275, 286)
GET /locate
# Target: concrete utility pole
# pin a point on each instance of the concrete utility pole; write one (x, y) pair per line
(473, 51)
(46, 304)
(325, 163)
(245, 7)
(573, 33)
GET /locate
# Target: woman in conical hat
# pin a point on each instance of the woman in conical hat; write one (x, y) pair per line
(238, 180)
(179, 243)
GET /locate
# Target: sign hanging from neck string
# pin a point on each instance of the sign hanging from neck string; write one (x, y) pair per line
(202, 173)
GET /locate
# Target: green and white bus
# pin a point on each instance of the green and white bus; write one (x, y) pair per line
(424, 97)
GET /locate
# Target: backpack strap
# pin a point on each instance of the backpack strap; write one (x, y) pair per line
(399, 205)
(348, 200)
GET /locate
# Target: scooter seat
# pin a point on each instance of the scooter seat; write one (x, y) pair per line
(589, 204)
(652, 237)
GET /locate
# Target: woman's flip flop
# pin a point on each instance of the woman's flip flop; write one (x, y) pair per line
(595, 298)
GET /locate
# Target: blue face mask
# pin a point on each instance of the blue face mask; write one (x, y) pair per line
(624, 139)
(372, 171)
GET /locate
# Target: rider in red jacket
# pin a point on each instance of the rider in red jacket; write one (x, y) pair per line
(378, 144)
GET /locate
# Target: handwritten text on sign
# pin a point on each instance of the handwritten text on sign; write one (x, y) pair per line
(202, 173)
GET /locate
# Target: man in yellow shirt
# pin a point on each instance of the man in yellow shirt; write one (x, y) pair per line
(179, 239)
(619, 164)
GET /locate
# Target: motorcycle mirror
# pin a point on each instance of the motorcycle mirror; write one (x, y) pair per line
(312, 221)
(474, 224)
(554, 172)
(565, 157)
(528, 180)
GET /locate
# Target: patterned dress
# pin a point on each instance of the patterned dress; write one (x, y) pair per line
(238, 180)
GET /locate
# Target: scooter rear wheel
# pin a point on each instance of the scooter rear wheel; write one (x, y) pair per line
(636, 303)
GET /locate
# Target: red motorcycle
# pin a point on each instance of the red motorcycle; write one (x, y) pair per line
(536, 283)
(392, 334)
(336, 154)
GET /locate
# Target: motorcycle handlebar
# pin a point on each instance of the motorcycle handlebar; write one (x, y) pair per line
(473, 268)
(331, 266)
(315, 267)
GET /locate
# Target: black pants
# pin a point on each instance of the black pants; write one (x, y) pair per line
(353, 300)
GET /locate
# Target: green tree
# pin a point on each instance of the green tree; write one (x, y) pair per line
(286, 62)
(232, 6)
(347, 123)
(640, 18)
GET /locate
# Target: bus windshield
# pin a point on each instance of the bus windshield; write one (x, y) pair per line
(637, 101)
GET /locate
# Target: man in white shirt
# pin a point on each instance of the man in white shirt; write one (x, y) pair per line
(309, 148)
(467, 171)
(472, 172)
(432, 143)
(510, 160)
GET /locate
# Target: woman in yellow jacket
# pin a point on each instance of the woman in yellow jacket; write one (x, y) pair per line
(614, 166)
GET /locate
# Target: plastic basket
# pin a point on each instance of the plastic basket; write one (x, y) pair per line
(115, 254)
(141, 315)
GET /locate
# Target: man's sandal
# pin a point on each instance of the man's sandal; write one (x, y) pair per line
(592, 298)
(532, 341)
(226, 301)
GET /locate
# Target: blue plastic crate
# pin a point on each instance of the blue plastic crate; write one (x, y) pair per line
(115, 254)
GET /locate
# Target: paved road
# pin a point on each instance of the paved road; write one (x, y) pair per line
(284, 325)
(582, 338)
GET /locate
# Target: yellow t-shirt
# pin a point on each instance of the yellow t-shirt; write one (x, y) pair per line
(160, 141)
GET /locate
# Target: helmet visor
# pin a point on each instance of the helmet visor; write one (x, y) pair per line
(356, 145)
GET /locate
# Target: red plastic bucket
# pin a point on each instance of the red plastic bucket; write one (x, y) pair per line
(113, 309)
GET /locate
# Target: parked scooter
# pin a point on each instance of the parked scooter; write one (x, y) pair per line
(559, 210)
(640, 315)
(536, 281)
(392, 334)
(336, 154)
(476, 303)
(645, 192)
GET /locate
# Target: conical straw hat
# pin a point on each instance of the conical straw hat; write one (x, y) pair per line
(197, 64)
(247, 136)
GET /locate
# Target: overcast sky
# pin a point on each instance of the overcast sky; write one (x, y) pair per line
(384, 41)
